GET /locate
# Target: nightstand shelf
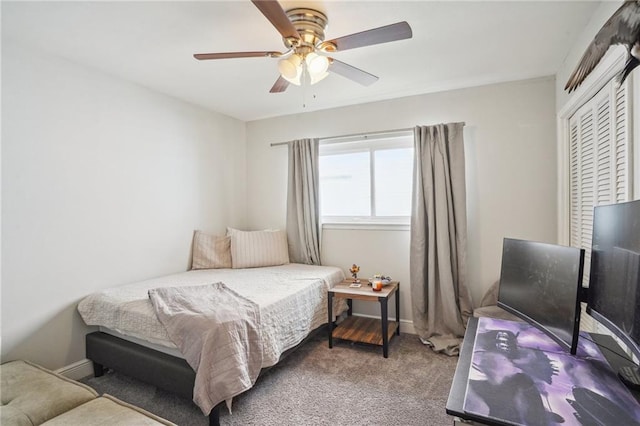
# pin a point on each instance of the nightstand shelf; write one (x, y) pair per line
(365, 330)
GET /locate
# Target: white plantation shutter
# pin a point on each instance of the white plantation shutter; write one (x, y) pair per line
(603, 157)
(599, 155)
(622, 114)
(574, 183)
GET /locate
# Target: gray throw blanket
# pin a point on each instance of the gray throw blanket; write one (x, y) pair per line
(218, 332)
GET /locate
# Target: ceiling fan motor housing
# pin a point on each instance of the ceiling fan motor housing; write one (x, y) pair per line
(311, 25)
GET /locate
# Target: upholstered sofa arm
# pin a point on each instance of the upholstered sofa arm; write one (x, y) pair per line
(34, 394)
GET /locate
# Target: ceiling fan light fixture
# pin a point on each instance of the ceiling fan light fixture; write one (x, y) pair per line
(290, 67)
(312, 69)
(317, 64)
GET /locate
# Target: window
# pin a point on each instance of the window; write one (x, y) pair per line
(367, 179)
(599, 160)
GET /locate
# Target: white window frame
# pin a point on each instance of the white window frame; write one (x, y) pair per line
(360, 143)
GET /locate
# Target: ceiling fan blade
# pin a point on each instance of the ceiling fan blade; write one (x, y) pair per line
(393, 32)
(279, 86)
(272, 10)
(351, 72)
(228, 55)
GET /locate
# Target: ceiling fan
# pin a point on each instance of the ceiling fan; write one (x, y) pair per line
(306, 60)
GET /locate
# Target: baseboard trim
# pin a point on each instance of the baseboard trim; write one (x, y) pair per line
(78, 370)
(406, 326)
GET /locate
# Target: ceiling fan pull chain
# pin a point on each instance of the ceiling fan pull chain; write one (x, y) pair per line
(304, 83)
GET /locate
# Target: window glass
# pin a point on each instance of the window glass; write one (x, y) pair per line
(345, 186)
(393, 176)
(366, 179)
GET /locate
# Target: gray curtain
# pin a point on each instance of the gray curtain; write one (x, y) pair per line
(440, 301)
(303, 213)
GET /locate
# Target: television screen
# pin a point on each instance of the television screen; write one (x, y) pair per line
(540, 283)
(614, 284)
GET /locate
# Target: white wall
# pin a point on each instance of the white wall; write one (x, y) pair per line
(510, 145)
(103, 183)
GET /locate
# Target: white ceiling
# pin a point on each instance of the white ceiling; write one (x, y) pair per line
(455, 44)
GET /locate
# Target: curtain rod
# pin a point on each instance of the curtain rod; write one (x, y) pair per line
(379, 132)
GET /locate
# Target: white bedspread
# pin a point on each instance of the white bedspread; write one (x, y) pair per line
(292, 300)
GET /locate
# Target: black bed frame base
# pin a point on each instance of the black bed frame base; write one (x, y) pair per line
(162, 370)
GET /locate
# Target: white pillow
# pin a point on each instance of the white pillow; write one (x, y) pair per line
(252, 249)
(211, 251)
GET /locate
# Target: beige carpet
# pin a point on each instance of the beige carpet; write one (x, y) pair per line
(347, 385)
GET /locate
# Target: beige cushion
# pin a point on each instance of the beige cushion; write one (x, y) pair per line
(9, 415)
(251, 249)
(37, 393)
(107, 411)
(211, 251)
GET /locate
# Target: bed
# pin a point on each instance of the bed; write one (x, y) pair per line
(292, 301)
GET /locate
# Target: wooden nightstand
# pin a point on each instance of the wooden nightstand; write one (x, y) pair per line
(360, 329)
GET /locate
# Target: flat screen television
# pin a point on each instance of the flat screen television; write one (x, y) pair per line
(540, 283)
(613, 298)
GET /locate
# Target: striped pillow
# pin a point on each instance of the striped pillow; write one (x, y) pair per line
(252, 249)
(211, 251)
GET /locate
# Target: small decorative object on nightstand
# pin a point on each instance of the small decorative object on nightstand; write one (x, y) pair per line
(376, 282)
(354, 272)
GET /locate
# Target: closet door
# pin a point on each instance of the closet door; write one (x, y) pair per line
(600, 151)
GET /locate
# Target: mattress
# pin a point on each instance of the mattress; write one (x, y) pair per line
(292, 300)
